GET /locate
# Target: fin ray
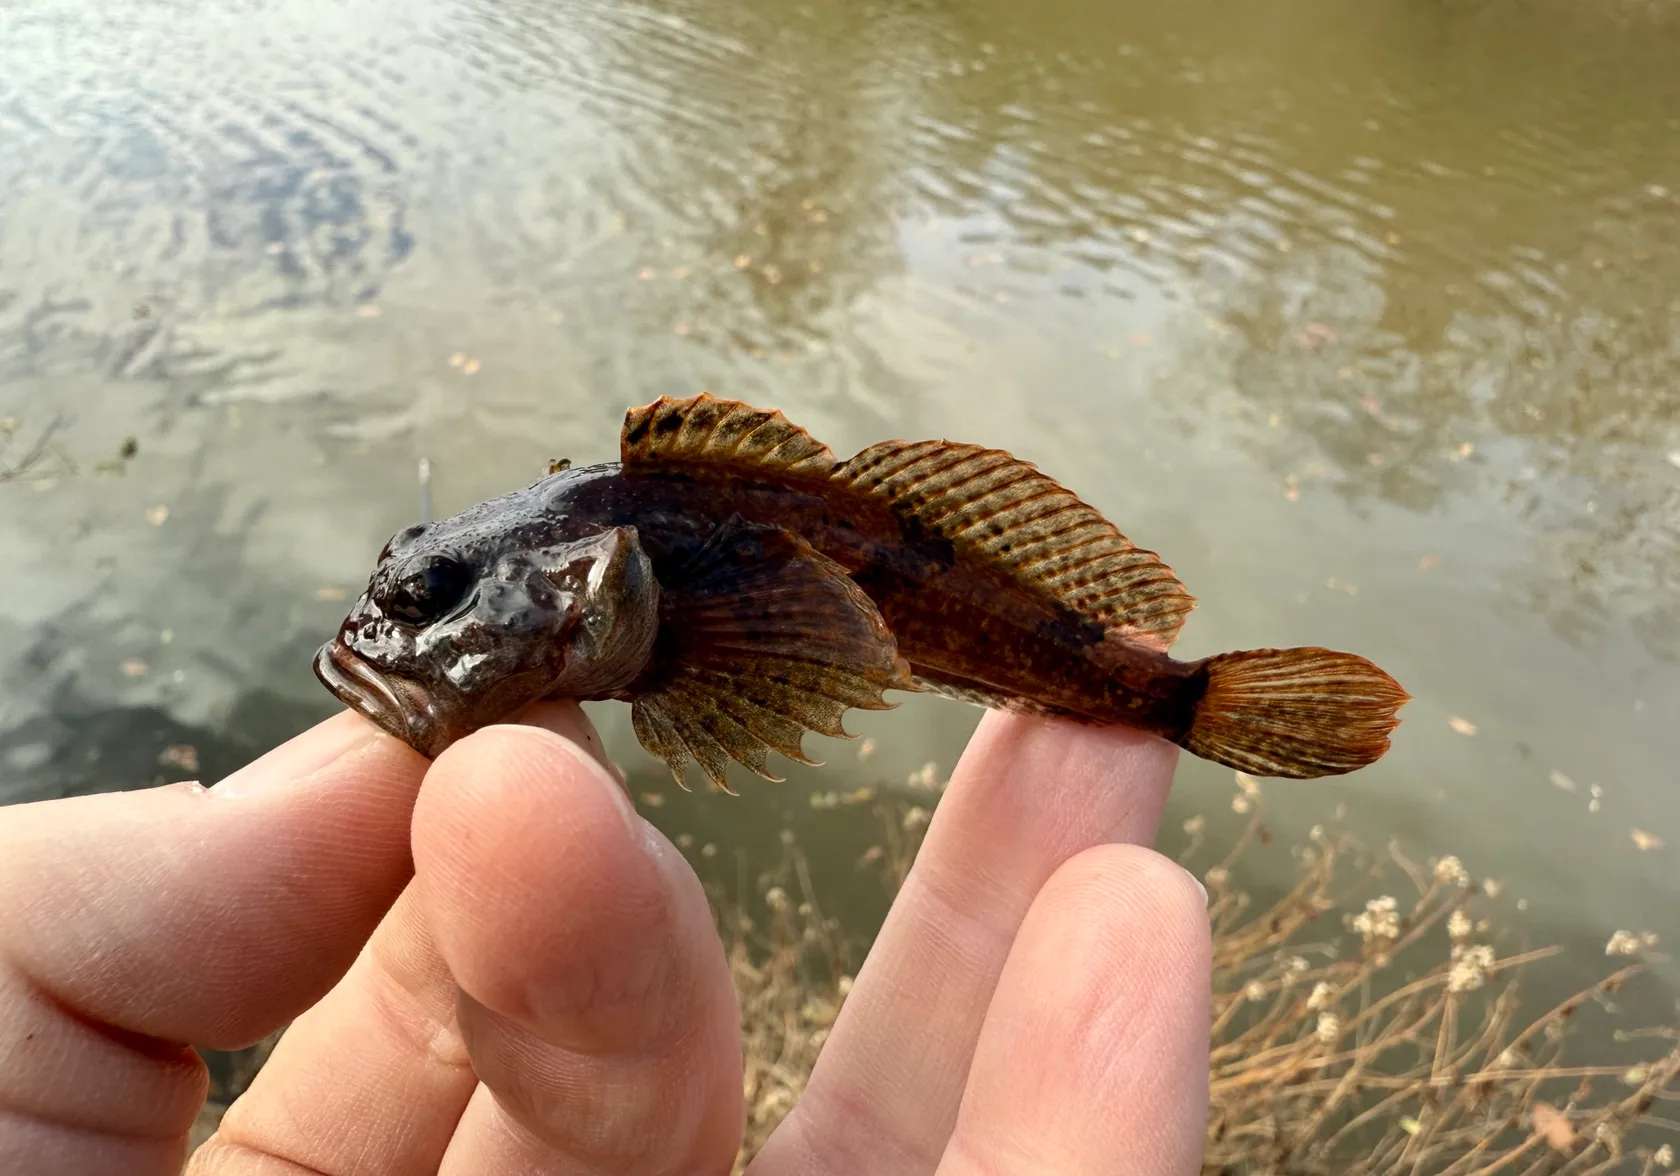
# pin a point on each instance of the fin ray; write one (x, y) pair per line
(763, 639)
(1005, 512)
(1296, 713)
(707, 430)
(976, 694)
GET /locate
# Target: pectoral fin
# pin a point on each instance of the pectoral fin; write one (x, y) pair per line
(762, 638)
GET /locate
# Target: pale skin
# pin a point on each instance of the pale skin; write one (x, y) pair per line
(496, 966)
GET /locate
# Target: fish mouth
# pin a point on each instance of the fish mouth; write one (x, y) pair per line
(355, 683)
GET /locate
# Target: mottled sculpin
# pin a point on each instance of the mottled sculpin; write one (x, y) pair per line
(739, 586)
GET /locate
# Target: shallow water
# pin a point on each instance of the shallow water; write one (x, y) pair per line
(1366, 316)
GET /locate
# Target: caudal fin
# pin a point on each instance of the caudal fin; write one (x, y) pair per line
(1298, 713)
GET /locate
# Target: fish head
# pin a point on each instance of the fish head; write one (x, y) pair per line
(462, 624)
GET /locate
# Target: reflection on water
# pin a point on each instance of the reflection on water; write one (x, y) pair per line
(1366, 316)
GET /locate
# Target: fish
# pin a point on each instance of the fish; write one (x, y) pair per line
(740, 587)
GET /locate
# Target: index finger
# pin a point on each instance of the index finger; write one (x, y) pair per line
(139, 924)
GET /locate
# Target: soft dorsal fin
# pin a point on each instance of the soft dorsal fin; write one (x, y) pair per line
(762, 638)
(705, 430)
(1004, 512)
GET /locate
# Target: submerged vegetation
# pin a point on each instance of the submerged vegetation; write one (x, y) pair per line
(1351, 1035)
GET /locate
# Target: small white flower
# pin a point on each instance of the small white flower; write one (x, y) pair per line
(1329, 1028)
(1458, 925)
(1627, 943)
(1470, 968)
(926, 776)
(1320, 996)
(1450, 870)
(1380, 919)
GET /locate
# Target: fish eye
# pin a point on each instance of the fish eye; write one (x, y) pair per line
(430, 590)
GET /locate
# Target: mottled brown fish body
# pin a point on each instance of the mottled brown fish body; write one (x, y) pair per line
(739, 586)
(965, 630)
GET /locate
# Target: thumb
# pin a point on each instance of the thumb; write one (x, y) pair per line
(136, 924)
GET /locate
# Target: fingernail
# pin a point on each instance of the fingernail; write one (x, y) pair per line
(298, 757)
(1205, 900)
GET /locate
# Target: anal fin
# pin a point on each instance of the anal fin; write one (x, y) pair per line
(761, 639)
(977, 694)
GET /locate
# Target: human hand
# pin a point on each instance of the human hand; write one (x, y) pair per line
(539, 988)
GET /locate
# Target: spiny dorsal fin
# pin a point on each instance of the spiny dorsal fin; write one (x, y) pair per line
(1006, 513)
(704, 430)
(762, 638)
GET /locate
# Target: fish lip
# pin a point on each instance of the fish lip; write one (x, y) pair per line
(355, 683)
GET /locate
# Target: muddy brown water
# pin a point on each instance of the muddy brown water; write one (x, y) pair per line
(1366, 316)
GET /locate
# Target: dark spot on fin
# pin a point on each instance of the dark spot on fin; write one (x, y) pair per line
(704, 430)
(1004, 513)
(1297, 713)
(762, 639)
